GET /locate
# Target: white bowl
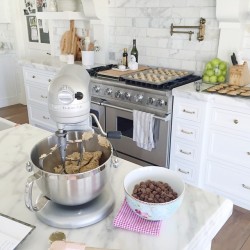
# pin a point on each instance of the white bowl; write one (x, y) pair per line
(154, 211)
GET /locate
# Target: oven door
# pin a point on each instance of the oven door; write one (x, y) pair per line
(99, 111)
(122, 120)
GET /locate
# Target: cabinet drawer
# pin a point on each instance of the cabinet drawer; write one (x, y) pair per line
(231, 120)
(186, 131)
(39, 116)
(185, 151)
(188, 111)
(229, 180)
(185, 171)
(35, 94)
(38, 77)
(234, 149)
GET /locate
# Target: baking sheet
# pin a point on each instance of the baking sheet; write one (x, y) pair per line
(157, 76)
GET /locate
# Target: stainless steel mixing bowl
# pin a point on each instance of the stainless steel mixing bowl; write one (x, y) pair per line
(66, 189)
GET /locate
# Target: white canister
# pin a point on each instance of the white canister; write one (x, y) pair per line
(88, 58)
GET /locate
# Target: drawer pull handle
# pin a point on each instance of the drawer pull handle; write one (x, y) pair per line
(182, 171)
(184, 152)
(236, 121)
(245, 186)
(186, 132)
(189, 112)
(44, 96)
(33, 76)
(45, 117)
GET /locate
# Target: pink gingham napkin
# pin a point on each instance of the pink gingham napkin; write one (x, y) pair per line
(127, 219)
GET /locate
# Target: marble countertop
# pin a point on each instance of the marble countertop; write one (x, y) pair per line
(43, 62)
(193, 226)
(189, 91)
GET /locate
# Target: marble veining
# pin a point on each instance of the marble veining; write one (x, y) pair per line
(194, 225)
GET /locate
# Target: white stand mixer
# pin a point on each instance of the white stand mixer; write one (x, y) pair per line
(69, 107)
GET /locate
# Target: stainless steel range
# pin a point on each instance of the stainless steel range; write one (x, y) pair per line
(113, 101)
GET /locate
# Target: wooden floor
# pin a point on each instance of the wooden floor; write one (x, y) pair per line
(234, 235)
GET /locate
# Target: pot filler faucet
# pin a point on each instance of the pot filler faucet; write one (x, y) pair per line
(69, 104)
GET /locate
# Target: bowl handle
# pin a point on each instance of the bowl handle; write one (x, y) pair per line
(41, 200)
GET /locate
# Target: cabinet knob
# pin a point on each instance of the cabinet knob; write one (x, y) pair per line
(236, 121)
(49, 80)
(245, 186)
(182, 171)
(186, 132)
(33, 76)
(248, 153)
(189, 112)
(184, 152)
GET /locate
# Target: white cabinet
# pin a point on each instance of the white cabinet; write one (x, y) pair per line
(227, 169)
(210, 143)
(186, 138)
(8, 80)
(5, 11)
(36, 86)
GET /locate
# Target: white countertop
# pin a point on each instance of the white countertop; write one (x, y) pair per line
(193, 226)
(45, 62)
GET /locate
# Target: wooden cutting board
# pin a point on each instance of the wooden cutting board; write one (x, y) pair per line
(117, 73)
(69, 43)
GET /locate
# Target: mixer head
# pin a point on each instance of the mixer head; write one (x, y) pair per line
(69, 97)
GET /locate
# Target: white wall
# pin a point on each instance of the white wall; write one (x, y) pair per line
(149, 22)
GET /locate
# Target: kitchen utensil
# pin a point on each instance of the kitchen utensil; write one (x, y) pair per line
(66, 189)
(154, 211)
(233, 59)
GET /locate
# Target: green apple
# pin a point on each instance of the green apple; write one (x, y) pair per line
(208, 66)
(205, 78)
(209, 72)
(217, 72)
(224, 72)
(221, 79)
(213, 79)
(222, 65)
(215, 62)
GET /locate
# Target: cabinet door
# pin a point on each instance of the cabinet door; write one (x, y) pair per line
(230, 181)
(8, 83)
(5, 11)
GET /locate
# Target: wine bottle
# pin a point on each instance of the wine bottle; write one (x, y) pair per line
(125, 58)
(134, 50)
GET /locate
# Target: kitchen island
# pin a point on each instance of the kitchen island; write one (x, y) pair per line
(194, 225)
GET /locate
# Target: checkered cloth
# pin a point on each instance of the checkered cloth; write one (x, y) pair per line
(127, 219)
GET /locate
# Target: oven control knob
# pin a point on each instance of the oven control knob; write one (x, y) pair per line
(138, 98)
(160, 102)
(108, 91)
(96, 89)
(127, 95)
(151, 100)
(118, 94)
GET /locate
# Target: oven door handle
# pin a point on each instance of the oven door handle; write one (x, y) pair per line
(165, 118)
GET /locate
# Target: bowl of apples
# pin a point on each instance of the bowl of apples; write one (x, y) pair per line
(215, 71)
